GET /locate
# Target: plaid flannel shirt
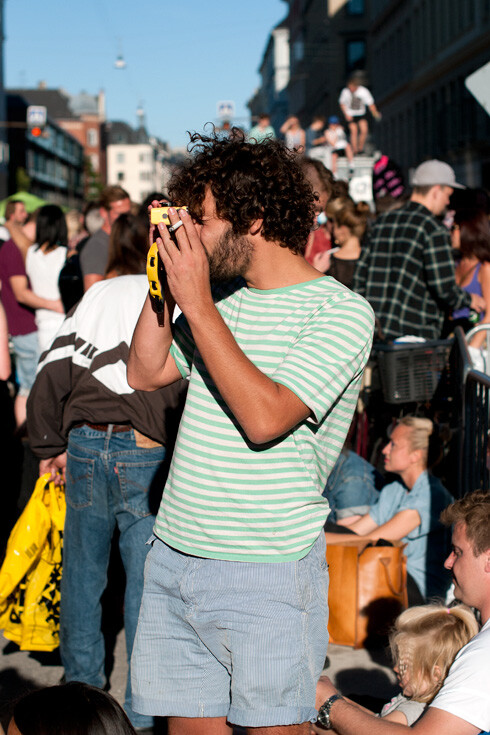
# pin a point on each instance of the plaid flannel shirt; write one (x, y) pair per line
(406, 272)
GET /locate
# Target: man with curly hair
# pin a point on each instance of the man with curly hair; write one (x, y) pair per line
(233, 622)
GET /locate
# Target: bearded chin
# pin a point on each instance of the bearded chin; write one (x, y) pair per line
(230, 258)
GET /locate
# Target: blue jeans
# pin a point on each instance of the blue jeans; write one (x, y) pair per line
(26, 351)
(108, 478)
(352, 486)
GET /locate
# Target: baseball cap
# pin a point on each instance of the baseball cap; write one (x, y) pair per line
(435, 173)
(333, 120)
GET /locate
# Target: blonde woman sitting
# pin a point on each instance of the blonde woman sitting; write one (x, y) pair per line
(409, 510)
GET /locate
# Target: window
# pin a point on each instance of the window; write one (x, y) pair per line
(355, 55)
(92, 137)
(355, 7)
(120, 176)
(145, 175)
(120, 158)
(298, 50)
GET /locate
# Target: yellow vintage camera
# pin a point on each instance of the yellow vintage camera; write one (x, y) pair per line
(160, 214)
(154, 265)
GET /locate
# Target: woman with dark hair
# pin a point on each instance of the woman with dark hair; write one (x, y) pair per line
(44, 261)
(69, 709)
(349, 226)
(128, 246)
(470, 235)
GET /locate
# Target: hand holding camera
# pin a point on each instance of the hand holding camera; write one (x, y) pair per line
(154, 266)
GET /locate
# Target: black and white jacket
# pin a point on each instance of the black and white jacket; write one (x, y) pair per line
(82, 377)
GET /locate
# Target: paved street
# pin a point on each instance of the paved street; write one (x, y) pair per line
(359, 672)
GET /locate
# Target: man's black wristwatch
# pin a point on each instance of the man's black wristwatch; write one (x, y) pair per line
(324, 712)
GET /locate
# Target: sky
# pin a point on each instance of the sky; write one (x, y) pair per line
(182, 58)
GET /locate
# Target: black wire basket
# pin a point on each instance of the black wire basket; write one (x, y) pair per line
(411, 372)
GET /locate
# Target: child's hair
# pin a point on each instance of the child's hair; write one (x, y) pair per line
(425, 641)
(70, 709)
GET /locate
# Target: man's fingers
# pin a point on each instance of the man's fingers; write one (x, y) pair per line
(185, 232)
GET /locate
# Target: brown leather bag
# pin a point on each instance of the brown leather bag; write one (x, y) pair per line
(367, 590)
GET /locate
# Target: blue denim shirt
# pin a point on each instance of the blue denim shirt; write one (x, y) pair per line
(428, 544)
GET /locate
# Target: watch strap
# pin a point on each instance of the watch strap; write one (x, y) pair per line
(324, 712)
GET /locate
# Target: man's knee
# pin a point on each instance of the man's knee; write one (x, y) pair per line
(198, 726)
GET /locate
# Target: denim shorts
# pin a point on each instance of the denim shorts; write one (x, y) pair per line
(26, 351)
(245, 641)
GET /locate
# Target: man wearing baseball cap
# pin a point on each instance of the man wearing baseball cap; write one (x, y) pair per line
(406, 269)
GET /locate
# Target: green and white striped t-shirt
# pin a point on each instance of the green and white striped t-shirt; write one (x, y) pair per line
(226, 498)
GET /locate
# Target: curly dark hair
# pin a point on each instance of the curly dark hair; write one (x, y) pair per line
(249, 181)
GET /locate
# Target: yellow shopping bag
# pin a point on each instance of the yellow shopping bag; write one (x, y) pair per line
(31, 573)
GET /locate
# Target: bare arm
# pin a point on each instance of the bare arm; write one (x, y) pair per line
(150, 366)
(393, 530)
(348, 719)
(375, 112)
(5, 366)
(25, 296)
(345, 113)
(396, 716)
(264, 409)
(19, 237)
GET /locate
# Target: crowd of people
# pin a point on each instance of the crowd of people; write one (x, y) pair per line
(328, 138)
(214, 435)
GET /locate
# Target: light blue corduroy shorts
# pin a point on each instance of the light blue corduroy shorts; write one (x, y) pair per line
(246, 641)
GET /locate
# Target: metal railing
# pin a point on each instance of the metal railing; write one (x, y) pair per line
(471, 403)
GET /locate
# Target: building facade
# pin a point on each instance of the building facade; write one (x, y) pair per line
(135, 160)
(328, 42)
(87, 125)
(421, 52)
(52, 164)
(4, 148)
(271, 97)
(83, 116)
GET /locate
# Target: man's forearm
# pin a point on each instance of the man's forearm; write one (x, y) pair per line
(29, 298)
(20, 239)
(348, 719)
(264, 409)
(150, 347)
